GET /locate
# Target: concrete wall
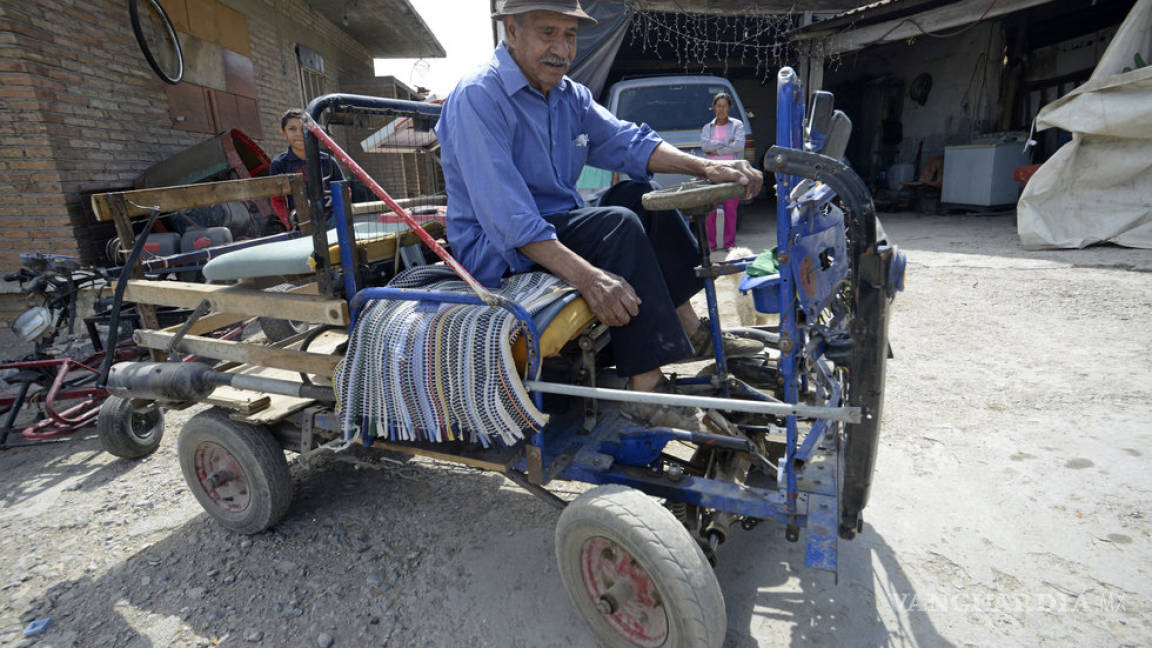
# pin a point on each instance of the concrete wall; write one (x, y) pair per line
(962, 103)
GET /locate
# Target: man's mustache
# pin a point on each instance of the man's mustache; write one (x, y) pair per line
(551, 59)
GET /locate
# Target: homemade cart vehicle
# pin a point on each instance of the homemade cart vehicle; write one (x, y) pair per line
(791, 433)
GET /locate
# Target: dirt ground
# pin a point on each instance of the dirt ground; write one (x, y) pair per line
(1011, 504)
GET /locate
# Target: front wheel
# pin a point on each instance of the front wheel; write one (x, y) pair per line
(237, 471)
(635, 574)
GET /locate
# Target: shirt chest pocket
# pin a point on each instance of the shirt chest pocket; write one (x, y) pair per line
(578, 156)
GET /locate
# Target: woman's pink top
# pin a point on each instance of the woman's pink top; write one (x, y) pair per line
(720, 132)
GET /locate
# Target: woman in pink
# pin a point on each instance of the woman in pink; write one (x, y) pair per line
(723, 139)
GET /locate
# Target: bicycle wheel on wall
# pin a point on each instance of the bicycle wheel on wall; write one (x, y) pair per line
(157, 39)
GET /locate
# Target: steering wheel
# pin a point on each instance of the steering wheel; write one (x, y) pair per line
(693, 196)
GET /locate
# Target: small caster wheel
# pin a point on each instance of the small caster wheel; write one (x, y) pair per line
(129, 429)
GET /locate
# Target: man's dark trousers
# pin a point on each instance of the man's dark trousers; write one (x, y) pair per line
(655, 253)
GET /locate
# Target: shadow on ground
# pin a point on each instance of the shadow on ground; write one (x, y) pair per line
(362, 557)
(773, 599)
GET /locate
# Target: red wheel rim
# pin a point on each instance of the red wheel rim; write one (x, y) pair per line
(221, 477)
(623, 593)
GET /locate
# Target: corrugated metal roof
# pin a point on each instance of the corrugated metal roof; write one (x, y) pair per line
(872, 12)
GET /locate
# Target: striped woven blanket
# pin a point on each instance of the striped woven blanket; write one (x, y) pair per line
(417, 371)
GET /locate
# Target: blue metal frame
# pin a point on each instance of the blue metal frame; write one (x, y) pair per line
(789, 133)
(346, 240)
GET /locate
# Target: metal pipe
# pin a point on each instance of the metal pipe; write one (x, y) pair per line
(275, 386)
(846, 414)
(789, 135)
(192, 382)
(346, 239)
(713, 306)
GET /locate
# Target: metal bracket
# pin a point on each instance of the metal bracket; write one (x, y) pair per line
(411, 256)
(307, 424)
(535, 460)
(201, 309)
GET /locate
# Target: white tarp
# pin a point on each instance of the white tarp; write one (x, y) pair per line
(1098, 187)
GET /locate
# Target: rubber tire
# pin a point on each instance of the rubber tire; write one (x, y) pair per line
(259, 456)
(117, 427)
(134, 15)
(662, 546)
(281, 329)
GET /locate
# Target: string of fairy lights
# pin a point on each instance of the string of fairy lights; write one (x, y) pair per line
(704, 42)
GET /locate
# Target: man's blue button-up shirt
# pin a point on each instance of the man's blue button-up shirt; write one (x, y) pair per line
(512, 155)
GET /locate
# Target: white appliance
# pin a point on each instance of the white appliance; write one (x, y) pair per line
(981, 174)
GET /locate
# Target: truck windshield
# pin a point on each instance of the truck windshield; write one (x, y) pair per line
(680, 106)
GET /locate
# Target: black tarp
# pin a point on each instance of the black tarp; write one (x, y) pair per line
(596, 46)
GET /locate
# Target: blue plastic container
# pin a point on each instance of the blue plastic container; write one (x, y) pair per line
(765, 292)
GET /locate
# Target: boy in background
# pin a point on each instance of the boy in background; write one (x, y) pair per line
(292, 161)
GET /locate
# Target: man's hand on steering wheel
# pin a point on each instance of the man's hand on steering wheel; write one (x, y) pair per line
(735, 171)
(610, 297)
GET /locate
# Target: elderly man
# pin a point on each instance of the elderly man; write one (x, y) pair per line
(514, 136)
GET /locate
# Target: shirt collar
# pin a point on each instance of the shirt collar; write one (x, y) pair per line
(510, 74)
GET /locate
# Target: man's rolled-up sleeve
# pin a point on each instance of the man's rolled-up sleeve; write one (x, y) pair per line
(499, 196)
(618, 145)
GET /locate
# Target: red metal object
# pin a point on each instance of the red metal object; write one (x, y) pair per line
(227, 155)
(1024, 174)
(57, 422)
(620, 588)
(222, 477)
(481, 292)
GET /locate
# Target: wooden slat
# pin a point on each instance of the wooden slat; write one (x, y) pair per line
(381, 207)
(197, 195)
(279, 407)
(253, 354)
(239, 400)
(378, 249)
(239, 299)
(500, 460)
(209, 323)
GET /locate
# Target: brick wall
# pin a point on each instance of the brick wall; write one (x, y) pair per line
(83, 112)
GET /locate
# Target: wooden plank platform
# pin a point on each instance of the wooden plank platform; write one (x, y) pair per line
(239, 299)
(278, 407)
(238, 400)
(290, 360)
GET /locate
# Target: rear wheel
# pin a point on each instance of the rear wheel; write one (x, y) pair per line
(237, 471)
(127, 431)
(636, 575)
